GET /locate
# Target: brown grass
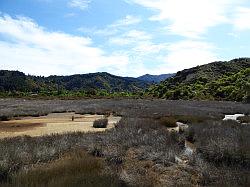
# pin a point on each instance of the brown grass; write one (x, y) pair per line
(139, 145)
(73, 169)
(190, 119)
(244, 119)
(169, 122)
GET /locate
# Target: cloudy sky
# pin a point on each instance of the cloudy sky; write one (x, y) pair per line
(122, 37)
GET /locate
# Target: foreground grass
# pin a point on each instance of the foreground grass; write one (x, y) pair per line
(145, 135)
(76, 168)
(223, 153)
(139, 151)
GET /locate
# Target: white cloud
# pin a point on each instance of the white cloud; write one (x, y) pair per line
(138, 45)
(123, 37)
(181, 55)
(190, 18)
(241, 19)
(130, 37)
(30, 48)
(128, 20)
(148, 48)
(114, 28)
(189, 53)
(70, 15)
(81, 4)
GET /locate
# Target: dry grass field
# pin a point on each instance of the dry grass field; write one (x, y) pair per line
(137, 151)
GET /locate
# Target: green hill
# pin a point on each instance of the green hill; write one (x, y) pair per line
(15, 82)
(218, 80)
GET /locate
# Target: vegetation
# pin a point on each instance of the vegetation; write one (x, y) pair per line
(168, 122)
(19, 154)
(141, 108)
(215, 81)
(138, 151)
(223, 156)
(4, 118)
(218, 80)
(15, 83)
(244, 119)
(76, 168)
(100, 123)
(190, 119)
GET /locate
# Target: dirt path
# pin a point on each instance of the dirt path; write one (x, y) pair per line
(53, 123)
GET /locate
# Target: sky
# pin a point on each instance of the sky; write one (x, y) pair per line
(122, 37)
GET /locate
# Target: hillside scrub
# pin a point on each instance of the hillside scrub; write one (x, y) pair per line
(15, 83)
(215, 81)
(208, 82)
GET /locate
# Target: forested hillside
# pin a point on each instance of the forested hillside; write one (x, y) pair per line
(218, 80)
(215, 81)
(90, 84)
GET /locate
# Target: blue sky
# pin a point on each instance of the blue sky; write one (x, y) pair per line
(122, 37)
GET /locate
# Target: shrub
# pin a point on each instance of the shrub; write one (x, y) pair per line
(244, 119)
(100, 123)
(190, 119)
(4, 118)
(168, 121)
(224, 143)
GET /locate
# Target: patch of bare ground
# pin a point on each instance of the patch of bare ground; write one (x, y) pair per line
(18, 127)
(52, 124)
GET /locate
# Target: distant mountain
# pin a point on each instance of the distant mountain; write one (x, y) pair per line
(155, 78)
(18, 81)
(218, 80)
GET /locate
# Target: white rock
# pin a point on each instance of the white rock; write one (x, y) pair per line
(182, 126)
(233, 117)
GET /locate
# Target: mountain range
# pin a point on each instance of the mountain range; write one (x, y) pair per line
(155, 78)
(17, 81)
(222, 80)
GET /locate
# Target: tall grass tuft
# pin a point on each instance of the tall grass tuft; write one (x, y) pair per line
(168, 121)
(100, 123)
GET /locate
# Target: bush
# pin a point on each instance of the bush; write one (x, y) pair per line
(100, 123)
(4, 118)
(225, 143)
(190, 119)
(244, 119)
(168, 122)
